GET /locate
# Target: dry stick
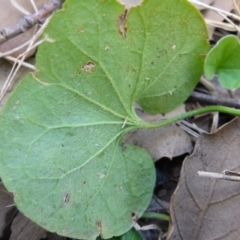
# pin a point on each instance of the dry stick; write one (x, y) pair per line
(193, 134)
(30, 20)
(25, 64)
(207, 84)
(19, 7)
(21, 58)
(34, 5)
(218, 10)
(5, 54)
(223, 176)
(204, 98)
(231, 22)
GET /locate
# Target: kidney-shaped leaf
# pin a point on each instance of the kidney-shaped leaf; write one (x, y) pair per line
(224, 59)
(61, 130)
(70, 176)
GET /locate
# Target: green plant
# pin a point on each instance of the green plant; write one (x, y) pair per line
(62, 153)
(224, 59)
(132, 234)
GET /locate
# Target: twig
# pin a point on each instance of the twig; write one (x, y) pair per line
(19, 7)
(236, 6)
(30, 20)
(191, 128)
(2, 55)
(215, 121)
(234, 16)
(34, 5)
(17, 65)
(25, 64)
(192, 133)
(44, 39)
(231, 22)
(208, 99)
(226, 175)
(223, 25)
(207, 84)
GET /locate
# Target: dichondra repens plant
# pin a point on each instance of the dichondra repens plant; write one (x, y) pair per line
(61, 130)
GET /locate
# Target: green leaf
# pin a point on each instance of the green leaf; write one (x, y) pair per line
(224, 60)
(130, 235)
(61, 130)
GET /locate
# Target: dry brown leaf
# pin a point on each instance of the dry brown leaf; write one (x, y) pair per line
(204, 208)
(24, 229)
(236, 4)
(5, 68)
(212, 15)
(169, 141)
(223, 93)
(54, 236)
(7, 209)
(9, 16)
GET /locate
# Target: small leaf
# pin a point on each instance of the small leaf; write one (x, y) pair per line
(132, 234)
(61, 147)
(224, 60)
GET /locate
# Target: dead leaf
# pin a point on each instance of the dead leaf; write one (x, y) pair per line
(9, 16)
(7, 209)
(214, 16)
(24, 229)
(236, 4)
(204, 208)
(169, 141)
(54, 236)
(224, 93)
(5, 68)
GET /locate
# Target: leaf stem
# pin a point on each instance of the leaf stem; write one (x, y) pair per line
(159, 216)
(222, 109)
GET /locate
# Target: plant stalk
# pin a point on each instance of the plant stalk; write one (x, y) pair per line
(222, 109)
(159, 216)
